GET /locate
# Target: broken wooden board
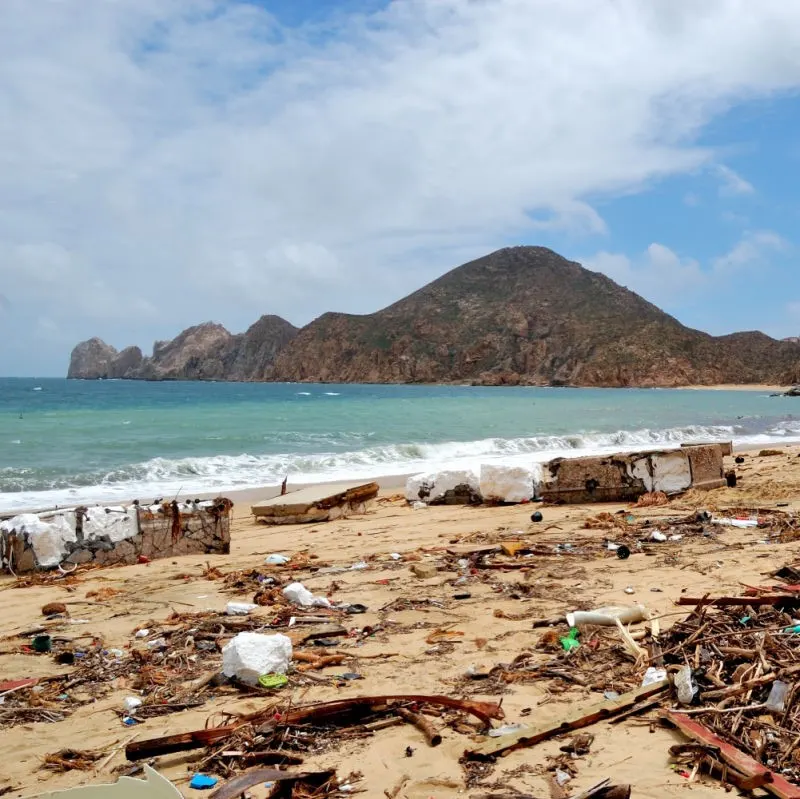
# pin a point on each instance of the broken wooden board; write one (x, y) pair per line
(320, 503)
(582, 717)
(775, 783)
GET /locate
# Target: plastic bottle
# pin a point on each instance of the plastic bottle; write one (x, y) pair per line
(607, 616)
(685, 685)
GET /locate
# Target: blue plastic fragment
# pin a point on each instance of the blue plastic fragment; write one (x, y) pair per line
(202, 782)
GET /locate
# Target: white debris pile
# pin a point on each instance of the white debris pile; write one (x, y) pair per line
(47, 538)
(249, 655)
(432, 487)
(299, 595)
(510, 483)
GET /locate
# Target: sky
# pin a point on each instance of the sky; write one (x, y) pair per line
(168, 162)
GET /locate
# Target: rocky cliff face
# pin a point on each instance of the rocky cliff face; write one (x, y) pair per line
(522, 315)
(204, 352)
(91, 359)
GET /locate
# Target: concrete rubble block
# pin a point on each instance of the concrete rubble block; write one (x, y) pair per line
(249, 655)
(446, 487)
(510, 484)
(624, 477)
(707, 465)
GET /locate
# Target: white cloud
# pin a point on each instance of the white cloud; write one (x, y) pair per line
(662, 276)
(195, 156)
(659, 274)
(732, 184)
(751, 251)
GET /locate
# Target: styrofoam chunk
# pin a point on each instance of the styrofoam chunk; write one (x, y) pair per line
(432, 486)
(249, 655)
(509, 483)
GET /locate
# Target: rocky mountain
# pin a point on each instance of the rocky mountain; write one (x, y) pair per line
(521, 315)
(204, 352)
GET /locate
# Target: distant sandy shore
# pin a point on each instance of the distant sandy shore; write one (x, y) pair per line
(738, 387)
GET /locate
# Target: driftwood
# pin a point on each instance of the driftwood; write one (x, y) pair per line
(774, 783)
(325, 712)
(236, 787)
(430, 732)
(582, 718)
(735, 601)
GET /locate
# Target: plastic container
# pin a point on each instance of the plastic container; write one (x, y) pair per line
(42, 643)
(776, 701)
(607, 616)
(685, 686)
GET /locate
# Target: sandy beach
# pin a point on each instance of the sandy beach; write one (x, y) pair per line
(492, 625)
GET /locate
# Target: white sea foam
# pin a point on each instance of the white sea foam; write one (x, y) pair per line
(167, 477)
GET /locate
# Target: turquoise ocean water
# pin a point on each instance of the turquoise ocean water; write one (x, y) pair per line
(79, 441)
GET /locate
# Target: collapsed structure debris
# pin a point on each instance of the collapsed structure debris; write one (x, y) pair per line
(110, 536)
(621, 477)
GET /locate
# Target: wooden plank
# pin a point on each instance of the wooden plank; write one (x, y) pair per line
(314, 496)
(775, 783)
(583, 717)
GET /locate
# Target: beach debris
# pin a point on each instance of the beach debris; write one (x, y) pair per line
(289, 783)
(447, 487)
(582, 717)
(106, 536)
(71, 760)
(202, 782)
(299, 595)
(607, 616)
(276, 559)
(536, 516)
(604, 790)
(319, 503)
(131, 703)
(239, 608)
(54, 609)
(627, 476)
(432, 735)
(509, 484)
(341, 713)
(249, 655)
(424, 571)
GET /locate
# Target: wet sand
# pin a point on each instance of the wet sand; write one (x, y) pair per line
(631, 752)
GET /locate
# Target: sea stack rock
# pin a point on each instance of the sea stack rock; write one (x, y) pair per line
(91, 360)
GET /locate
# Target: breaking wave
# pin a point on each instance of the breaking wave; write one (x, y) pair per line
(25, 488)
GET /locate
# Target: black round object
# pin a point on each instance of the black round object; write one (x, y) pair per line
(623, 553)
(537, 516)
(739, 459)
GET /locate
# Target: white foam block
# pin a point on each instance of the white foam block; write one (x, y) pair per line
(47, 538)
(432, 486)
(509, 483)
(249, 655)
